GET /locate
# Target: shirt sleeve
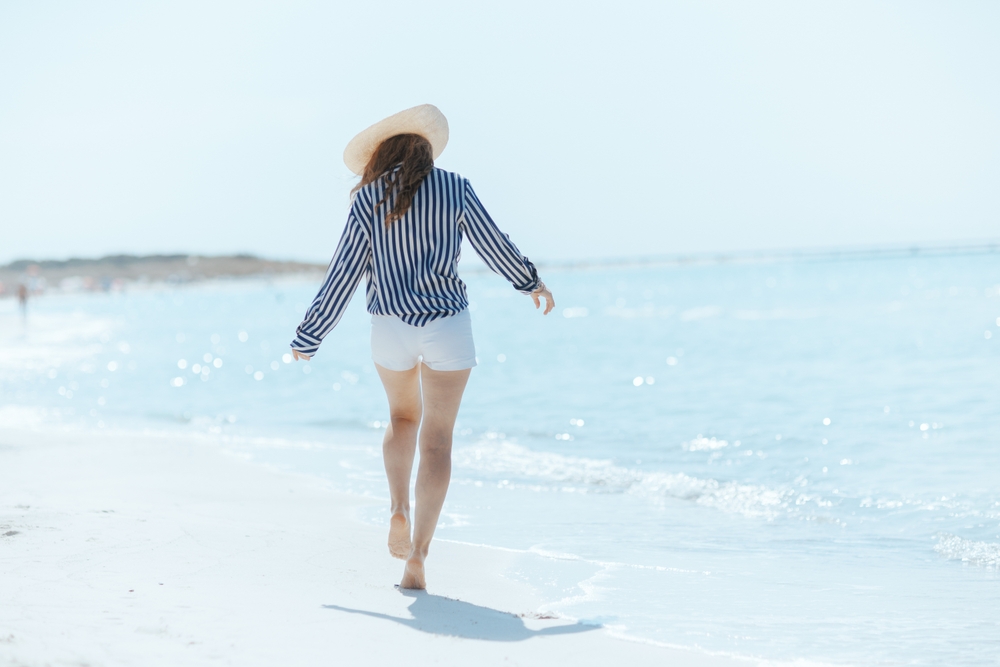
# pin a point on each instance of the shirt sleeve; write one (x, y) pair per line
(342, 278)
(494, 247)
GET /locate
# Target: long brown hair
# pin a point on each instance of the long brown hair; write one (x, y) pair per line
(411, 151)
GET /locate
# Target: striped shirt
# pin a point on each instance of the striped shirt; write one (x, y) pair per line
(411, 266)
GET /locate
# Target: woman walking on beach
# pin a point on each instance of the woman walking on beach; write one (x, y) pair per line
(404, 236)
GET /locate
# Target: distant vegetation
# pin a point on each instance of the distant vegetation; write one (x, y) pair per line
(116, 271)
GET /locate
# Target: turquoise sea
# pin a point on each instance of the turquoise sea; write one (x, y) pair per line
(797, 460)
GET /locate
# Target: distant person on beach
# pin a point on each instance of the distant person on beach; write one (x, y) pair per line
(22, 299)
(403, 235)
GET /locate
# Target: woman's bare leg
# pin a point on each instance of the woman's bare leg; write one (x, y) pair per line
(435, 416)
(402, 388)
(442, 393)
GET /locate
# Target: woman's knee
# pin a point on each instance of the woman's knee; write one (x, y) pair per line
(435, 439)
(406, 419)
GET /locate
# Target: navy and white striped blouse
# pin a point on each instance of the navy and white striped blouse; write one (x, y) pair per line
(411, 266)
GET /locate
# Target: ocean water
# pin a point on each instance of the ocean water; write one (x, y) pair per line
(794, 460)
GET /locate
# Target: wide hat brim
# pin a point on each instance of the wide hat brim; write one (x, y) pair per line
(425, 120)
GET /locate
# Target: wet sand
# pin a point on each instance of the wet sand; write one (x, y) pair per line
(152, 550)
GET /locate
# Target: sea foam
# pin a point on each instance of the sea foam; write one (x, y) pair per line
(952, 547)
(570, 473)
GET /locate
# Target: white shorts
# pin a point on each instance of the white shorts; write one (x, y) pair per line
(444, 344)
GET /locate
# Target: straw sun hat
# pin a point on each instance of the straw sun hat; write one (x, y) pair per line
(425, 120)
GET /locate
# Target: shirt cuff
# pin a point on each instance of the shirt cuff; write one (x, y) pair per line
(530, 287)
(304, 345)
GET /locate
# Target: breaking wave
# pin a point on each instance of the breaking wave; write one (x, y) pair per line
(602, 476)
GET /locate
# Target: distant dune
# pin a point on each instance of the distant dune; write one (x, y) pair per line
(114, 271)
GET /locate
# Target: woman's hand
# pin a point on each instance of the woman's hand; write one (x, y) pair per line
(296, 355)
(543, 293)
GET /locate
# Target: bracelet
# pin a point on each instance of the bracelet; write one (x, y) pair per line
(541, 287)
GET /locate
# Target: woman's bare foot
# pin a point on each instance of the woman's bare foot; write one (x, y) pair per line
(413, 573)
(399, 536)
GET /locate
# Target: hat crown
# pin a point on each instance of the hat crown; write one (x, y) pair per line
(424, 119)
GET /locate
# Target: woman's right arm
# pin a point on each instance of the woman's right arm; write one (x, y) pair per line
(342, 277)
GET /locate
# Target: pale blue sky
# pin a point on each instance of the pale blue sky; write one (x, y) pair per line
(589, 129)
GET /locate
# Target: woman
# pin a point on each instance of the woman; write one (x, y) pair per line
(404, 235)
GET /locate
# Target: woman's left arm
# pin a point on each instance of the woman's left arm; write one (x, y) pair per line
(499, 252)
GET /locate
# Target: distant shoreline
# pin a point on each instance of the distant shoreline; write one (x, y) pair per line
(115, 272)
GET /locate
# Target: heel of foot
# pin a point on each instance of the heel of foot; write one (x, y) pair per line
(413, 576)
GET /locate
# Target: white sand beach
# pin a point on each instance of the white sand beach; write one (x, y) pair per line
(149, 550)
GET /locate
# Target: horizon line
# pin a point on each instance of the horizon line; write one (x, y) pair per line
(893, 251)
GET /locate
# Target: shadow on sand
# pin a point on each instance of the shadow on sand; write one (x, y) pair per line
(444, 616)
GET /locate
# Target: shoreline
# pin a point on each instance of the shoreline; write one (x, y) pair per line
(132, 549)
(114, 273)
